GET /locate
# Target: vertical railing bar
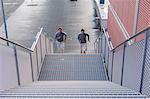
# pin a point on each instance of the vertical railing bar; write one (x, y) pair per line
(104, 49)
(95, 48)
(31, 66)
(98, 45)
(144, 59)
(41, 48)
(45, 44)
(4, 19)
(37, 61)
(108, 63)
(101, 44)
(17, 65)
(50, 46)
(113, 51)
(123, 59)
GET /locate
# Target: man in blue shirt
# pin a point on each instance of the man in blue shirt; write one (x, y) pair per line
(82, 37)
(60, 39)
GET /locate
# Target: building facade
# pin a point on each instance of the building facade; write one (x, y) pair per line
(126, 18)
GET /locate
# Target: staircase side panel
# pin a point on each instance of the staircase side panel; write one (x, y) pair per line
(8, 73)
(43, 46)
(38, 48)
(24, 65)
(103, 46)
(34, 64)
(117, 67)
(146, 80)
(133, 66)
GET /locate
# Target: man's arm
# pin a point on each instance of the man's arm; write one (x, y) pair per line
(78, 37)
(65, 36)
(88, 37)
(56, 35)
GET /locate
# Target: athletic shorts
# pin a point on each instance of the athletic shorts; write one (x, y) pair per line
(84, 46)
(60, 45)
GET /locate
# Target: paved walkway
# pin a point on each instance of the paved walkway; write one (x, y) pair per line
(26, 21)
(10, 6)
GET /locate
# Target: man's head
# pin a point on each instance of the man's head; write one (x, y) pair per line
(82, 30)
(60, 29)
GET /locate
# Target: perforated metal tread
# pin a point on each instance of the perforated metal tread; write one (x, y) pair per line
(73, 67)
(71, 89)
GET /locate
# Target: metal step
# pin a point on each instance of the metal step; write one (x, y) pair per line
(71, 89)
(76, 77)
(73, 67)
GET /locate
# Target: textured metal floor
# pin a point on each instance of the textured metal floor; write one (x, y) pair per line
(71, 90)
(72, 67)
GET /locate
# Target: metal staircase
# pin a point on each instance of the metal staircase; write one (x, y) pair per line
(71, 90)
(73, 67)
(71, 76)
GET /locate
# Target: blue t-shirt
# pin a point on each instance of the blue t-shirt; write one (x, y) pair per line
(82, 37)
(60, 36)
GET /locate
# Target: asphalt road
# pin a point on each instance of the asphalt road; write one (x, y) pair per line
(10, 6)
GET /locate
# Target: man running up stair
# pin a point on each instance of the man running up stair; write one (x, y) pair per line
(60, 39)
(83, 42)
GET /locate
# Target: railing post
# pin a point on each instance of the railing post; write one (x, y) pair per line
(107, 62)
(37, 61)
(4, 19)
(101, 44)
(41, 48)
(105, 49)
(98, 45)
(108, 57)
(31, 66)
(17, 65)
(113, 51)
(46, 44)
(123, 59)
(144, 59)
(50, 47)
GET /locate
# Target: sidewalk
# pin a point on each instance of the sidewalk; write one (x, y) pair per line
(10, 6)
(26, 21)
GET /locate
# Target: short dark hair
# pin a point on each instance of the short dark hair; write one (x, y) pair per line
(82, 29)
(59, 28)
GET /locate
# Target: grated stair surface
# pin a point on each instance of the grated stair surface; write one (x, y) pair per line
(71, 90)
(73, 67)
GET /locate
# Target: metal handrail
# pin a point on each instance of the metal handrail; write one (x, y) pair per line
(37, 38)
(33, 45)
(12, 42)
(95, 42)
(141, 32)
(39, 59)
(107, 39)
(97, 39)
